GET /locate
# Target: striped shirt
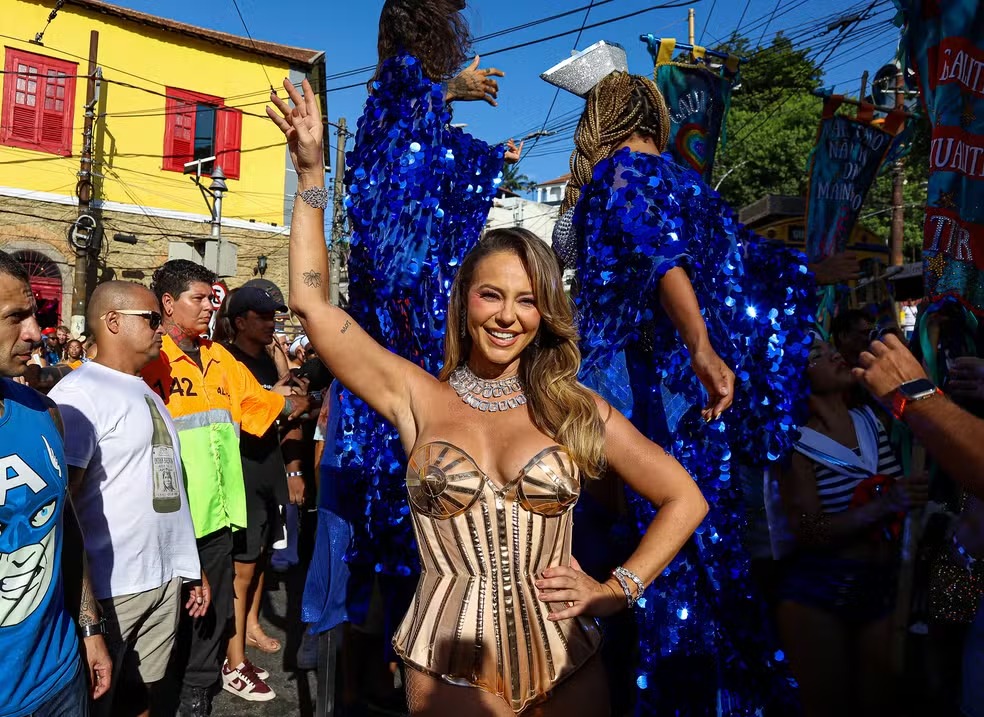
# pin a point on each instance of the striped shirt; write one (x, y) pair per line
(836, 489)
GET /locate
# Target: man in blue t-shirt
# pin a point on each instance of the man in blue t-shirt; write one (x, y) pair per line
(40, 656)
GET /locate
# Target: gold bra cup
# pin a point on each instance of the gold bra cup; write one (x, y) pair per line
(443, 481)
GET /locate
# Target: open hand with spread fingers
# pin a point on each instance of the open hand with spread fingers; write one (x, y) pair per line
(302, 126)
(579, 592)
(475, 83)
(513, 152)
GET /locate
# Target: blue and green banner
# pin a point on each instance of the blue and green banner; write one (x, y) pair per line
(698, 98)
(844, 163)
(943, 43)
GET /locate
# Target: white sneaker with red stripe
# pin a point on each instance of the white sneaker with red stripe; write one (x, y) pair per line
(245, 683)
(260, 672)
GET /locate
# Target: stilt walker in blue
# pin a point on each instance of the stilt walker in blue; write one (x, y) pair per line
(697, 329)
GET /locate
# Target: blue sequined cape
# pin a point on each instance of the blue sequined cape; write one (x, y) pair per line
(419, 193)
(641, 216)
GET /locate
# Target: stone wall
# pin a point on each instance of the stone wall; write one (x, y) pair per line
(43, 227)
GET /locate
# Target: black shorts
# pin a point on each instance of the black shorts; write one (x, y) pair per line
(264, 516)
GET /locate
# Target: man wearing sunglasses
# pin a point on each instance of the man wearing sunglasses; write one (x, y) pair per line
(126, 480)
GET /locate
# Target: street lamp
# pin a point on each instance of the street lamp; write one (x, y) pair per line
(261, 266)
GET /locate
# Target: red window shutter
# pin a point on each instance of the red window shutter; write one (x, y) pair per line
(56, 125)
(38, 102)
(229, 131)
(179, 132)
(23, 100)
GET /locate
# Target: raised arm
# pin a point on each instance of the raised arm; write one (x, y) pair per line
(380, 378)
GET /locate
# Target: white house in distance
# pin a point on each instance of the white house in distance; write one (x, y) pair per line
(539, 215)
(552, 192)
(511, 210)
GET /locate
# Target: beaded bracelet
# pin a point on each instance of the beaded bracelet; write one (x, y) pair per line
(316, 197)
(623, 575)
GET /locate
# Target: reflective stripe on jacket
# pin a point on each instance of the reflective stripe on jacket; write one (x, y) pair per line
(209, 406)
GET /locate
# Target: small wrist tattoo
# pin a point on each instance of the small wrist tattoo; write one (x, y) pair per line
(346, 326)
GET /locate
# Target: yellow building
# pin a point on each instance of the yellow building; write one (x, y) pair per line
(165, 94)
(782, 217)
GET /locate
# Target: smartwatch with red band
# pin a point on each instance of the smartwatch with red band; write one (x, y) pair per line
(911, 391)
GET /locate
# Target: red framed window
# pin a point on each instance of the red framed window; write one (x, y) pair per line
(199, 126)
(38, 102)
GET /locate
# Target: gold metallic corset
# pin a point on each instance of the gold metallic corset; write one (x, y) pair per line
(475, 618)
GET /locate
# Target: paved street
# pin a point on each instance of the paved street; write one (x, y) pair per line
(296, 691)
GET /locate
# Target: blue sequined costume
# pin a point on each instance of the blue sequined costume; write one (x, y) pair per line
(639, 217)
(419, 194)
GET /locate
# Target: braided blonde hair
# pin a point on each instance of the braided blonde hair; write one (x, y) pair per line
(618, 107)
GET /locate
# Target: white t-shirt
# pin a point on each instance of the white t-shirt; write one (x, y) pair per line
(108, 430)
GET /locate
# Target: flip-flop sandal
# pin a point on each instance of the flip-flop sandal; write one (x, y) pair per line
(272, 644)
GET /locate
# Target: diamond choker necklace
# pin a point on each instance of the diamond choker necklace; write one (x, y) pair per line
(485, 395)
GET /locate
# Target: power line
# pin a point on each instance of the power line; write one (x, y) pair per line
(518, 46)
(553, 102)
(708, 19)
(805, 32)
(235, 4)
(484, 38)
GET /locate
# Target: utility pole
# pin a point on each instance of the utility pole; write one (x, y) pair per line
(85, 226)
(690, 23)
(338, 217)
(897, 237)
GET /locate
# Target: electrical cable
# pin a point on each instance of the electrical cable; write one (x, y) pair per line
(711, 12)
(235, 4)
(553, 102)
(518, 46)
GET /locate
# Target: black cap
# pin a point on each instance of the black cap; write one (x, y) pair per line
(250, 298)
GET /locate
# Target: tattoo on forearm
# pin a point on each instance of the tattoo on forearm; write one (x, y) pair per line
(88, 612)
(346, 326)
(312, 279)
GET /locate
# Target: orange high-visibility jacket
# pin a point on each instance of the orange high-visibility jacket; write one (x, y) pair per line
(209, 405)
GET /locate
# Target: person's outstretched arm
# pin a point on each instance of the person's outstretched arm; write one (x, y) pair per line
(954, 437)
(379, 377)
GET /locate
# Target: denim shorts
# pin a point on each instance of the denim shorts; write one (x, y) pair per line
(855, 591)
(71, 701)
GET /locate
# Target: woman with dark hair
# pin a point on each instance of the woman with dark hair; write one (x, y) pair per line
(498, 446)
(844, 495)
(690, 322)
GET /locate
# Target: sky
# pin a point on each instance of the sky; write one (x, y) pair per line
(346, 31)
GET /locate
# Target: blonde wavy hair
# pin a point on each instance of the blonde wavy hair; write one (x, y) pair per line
(560, 406)
(618, 107)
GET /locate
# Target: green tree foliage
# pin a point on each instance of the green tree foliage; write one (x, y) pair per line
(772, 125)
(514, 181)
(771, 131)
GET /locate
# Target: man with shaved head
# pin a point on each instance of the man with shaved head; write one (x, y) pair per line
(126, 480)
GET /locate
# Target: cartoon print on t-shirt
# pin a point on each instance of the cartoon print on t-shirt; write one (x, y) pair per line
(28, 510)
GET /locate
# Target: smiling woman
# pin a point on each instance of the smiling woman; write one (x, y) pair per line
(503, 615)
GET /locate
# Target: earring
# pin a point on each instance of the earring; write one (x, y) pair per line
(536, 339)
(462, 329)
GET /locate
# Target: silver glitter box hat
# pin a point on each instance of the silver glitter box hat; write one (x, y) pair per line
(582, 71)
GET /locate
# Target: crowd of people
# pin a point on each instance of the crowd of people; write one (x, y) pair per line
(535, 476)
